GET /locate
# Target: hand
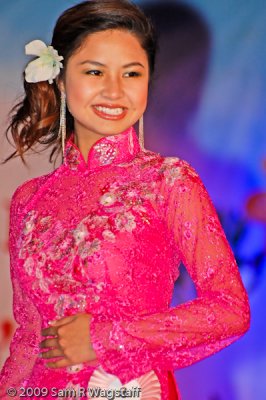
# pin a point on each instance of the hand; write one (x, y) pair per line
(72, 341)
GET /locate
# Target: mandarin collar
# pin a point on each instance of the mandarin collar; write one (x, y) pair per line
(112, 149)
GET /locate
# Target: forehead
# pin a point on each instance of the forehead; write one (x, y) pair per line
(111, 44)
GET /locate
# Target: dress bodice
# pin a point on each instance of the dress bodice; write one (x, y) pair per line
(107, 237)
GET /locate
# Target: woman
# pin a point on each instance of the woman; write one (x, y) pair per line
(96, 244)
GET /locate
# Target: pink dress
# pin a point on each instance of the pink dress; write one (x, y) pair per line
(107, 237)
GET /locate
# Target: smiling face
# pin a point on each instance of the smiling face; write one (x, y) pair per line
(106, 84)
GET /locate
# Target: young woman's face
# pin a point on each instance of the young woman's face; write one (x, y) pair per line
(106, 83)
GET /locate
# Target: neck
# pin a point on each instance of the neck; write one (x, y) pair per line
(85, 144)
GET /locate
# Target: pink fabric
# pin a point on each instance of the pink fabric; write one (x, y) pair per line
(107, 237)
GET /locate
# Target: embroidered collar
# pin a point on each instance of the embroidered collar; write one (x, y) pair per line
(114, 149)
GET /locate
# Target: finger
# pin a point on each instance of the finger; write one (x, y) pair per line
(52, 353)
(61, 321)
(64, 362)
(51, 331)
(49, 343)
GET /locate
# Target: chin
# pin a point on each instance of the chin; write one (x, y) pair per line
(114, 129)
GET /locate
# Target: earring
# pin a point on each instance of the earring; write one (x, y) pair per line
(141, 133)
(62, 126)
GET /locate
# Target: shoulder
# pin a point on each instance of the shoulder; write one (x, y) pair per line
(177, 168)
(171, 169)
(25, 191)
(174, 175)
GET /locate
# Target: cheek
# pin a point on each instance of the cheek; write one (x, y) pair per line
(78, 93)
(141, 95)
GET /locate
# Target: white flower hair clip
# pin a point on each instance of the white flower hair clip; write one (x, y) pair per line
(46, 67)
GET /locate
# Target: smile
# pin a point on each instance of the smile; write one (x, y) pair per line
(110, 112)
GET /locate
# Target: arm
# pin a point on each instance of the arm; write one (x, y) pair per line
(196, 329)
(24, 345)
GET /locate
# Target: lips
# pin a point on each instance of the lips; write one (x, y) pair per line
(110, 111)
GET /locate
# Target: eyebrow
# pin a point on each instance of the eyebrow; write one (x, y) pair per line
(97, 63)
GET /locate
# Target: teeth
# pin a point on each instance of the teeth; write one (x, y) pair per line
(110, 111)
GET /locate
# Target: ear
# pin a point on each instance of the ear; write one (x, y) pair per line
(61, 85)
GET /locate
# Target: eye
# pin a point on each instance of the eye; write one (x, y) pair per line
(133, 74)
(95, 72)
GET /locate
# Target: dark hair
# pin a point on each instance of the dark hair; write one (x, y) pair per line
(36, 118)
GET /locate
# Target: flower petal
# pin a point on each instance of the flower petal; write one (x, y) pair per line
(35, 47)
(38, 71)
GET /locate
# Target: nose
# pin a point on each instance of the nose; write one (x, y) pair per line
(113, 88)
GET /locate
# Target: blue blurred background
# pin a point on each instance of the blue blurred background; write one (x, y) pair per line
(208, 106)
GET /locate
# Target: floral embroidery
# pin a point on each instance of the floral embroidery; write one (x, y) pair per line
(29, 225)
(125, 222)
(64, 302)
(29, 265)
(79, 245)
(172, 174)
(80, 233)
(87, 248)
(107, 199)
(127, 196)
(108, 235)
(170, 160)
(105, 152)
(72, 155)
(173, 168)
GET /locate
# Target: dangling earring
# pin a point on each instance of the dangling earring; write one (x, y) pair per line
(141, 133)
(62, 126)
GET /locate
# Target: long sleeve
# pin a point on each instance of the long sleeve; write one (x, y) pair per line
(189, 332)
(24, 344)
